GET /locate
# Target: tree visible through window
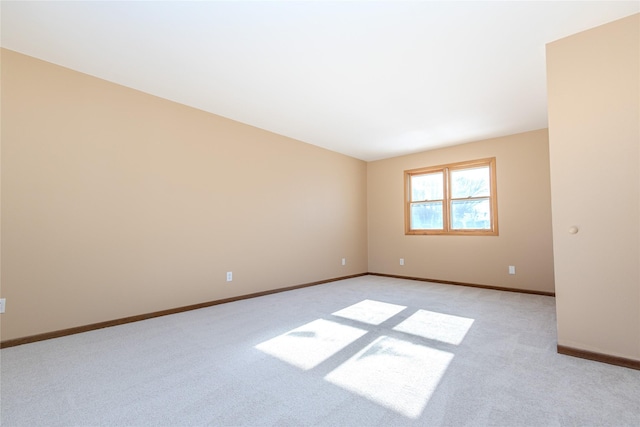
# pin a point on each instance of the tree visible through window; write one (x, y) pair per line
(458, 198)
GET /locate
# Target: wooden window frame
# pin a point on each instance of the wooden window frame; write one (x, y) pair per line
(446, 202)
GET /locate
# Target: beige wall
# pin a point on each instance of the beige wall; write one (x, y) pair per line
(524, 216)
(594, 126)
(117, 203)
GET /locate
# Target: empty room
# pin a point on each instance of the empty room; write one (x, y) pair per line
(338, 213)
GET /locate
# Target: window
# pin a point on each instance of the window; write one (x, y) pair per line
(458, 198)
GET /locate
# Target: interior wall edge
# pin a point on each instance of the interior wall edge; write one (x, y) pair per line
(599, 357)
(471, 285)
(122, 321)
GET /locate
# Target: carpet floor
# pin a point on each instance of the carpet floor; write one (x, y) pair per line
(367, 351)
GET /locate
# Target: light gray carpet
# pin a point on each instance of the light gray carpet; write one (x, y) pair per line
(358, 352)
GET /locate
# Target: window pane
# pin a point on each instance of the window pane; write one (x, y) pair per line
(471, 214)
(427, 187)
(426, 216)
(472, 182)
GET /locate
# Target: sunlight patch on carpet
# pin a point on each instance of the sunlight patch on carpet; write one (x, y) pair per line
(436, 326)
(393, 373)
(311, 344)
(370, 312)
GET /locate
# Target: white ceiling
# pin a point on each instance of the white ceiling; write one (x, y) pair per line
(370, 79)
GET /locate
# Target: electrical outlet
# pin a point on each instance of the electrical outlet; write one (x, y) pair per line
(512, 269)
(344, 261)
(229, 276)
(3, 303)
(401, 261)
